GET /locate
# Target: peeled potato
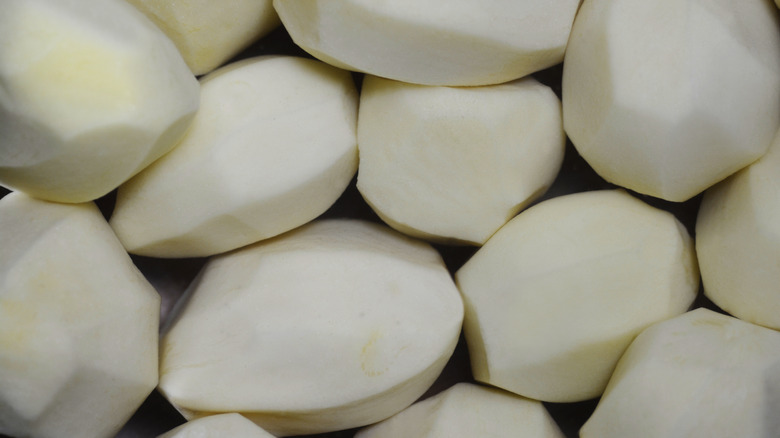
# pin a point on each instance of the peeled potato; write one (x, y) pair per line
(87, 99)
(455, 164)
(78, 323)
(467, 410)
(700, 375)
(272, 147)
(738, 242)
(335, 325)
(557, 294)
(669, 97)
(208, 33)
(452, 42)
(218, 426)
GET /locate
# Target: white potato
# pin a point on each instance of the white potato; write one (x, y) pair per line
(468, 411)
(335, 325)
(669, 97)
(700, 375)
(218, 426)
(272, 147)
(208, 33)
(452, 42)
(455, 164)
(557, 294)
(78, 323)
(87, 99)
(738, 242)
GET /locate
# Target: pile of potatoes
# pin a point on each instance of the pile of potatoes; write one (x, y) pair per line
(256, 218)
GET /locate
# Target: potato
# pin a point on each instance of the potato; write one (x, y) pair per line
(208, 33)
(738, 242)
(335, 325)
(701, 374)
(87, 99)
(454, 164)
(272, 147)
(78, 323)
(669, 97)
(557, 294)
(218, 426)
(433, 42)
(467, 410)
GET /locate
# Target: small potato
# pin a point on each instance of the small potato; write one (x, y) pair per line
(669, 97)
(738, 242)
(207, 32)
(699, 375)
(91, 92)
(272, 147)
(455, 164)
(218, 426)
(468, 411)
(557, 294)
(78, 323)
(433, 42)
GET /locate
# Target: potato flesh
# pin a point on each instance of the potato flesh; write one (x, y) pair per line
(218, 426)
(701, 374)
(272, 147)
(435, 42)
(379, 313)
(468, 410)
(78, 345)
(556, 295)
(738, 242)
(669, 97)
(209, 33)
(89, 99)
(454, 164)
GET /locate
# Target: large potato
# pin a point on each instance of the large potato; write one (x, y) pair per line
(668, 97)
(455, 164)
(557, 294)
(78, 323)
(86, 99)
(335, 325)
(452, 42)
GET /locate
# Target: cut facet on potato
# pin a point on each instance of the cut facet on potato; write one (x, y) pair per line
(468, 411)
(78, 323)
(433, 42)
(669, 97)
(87, 99)
(272, 147)
(454, 164)
(208, 33)
(218, 426)
(700, 375)
(335, 325)
(738, 242)
(556, 295)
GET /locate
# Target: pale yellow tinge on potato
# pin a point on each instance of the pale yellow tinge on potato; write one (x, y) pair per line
(337, 324)
(466, 410)
(699, 375)
(557, 294)
(88, 99)
(738, 242)
(208, 33)
(78, 323)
